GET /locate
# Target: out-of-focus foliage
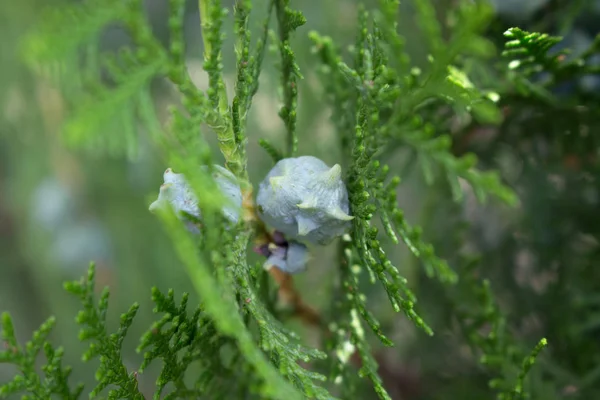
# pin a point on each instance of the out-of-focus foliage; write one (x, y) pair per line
(445, 110)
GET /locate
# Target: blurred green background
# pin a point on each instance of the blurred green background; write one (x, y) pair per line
(60, 209)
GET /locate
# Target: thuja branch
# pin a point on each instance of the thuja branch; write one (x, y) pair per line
(223, 311)
(211, 19)
(25, 359)
(112, 371)
(288, 20)
(231, 133)
(287, 292)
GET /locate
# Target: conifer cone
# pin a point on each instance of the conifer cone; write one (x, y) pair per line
(305, 199)
(176, 192)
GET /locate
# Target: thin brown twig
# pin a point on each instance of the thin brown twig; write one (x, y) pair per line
(287, 292)
(290, 296)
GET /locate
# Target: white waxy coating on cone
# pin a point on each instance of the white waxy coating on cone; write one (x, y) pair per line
(305, 199)
(297, 257)
(291, 259)
(179, 195)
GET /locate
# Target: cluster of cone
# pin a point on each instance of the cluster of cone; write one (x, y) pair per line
(302, 198)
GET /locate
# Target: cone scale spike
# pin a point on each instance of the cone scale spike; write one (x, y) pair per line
(338, 213)
(332, 176)
(308, 204)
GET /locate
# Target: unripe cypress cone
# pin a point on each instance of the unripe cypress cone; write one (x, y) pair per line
(177, 193)
(291, 258)
(305, 199)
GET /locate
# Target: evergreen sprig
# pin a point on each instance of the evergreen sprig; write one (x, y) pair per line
(486, 329)
(350, 335)
(67, 28)
(382, 103)
(535, 66)
(364, 236)
(288, 21)
(530, 51)
(377, 89)
(112, 372)
(270, 149)
(103, 116)
(113, 110)
(434, 152)
(29, 383)
(180, 340)
(218, 295)
(283, 348)
(380, 100)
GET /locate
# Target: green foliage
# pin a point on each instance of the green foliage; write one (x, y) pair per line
(180, 340)
(289, 20)
(381, 101)
(486, 330)
(351, 299)
(531, 53)
(112, 371)
(282, 348)
(220, 301)
(270, 149)
(103, 117)
(24, 358)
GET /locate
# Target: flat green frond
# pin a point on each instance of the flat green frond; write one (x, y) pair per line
(288, 20)
(25, 358)
(257, 58)
(106, 120)
(435, 152)
(528, 362)
(241, 101)
(179, 340)
(486, 329)
(466, 97)
(381, 89)
(384, 105)
(350, 335)
(373, 90)
(283, 350)
(101, 89)
(530, 52)
(337, 91)
(535, 66)
(211, 19)
(432, 83)
(394, 222)
(429, 24)
(270, 149)
(61, 31)
(107, 347)
(372, 255)
(225, 314)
